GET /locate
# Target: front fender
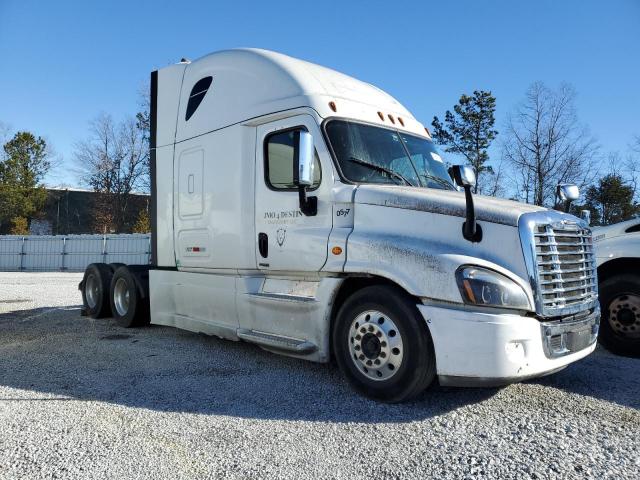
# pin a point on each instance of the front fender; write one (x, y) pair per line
(423, 268)
(617, 248)
(421, 251)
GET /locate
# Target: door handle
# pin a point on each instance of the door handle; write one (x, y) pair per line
(263, 244)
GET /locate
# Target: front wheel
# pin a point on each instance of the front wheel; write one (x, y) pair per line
(383, 346)
(620, 306)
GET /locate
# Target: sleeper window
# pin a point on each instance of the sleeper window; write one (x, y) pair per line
(279, 162)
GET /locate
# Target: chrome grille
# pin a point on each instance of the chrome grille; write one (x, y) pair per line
(561, 262)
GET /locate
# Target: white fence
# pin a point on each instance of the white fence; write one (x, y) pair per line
(49, 253)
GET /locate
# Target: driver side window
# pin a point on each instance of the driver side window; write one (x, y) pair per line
(279, 162)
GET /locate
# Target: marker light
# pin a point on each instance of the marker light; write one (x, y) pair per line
(332, 106)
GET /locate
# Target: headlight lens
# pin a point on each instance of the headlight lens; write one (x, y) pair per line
(480, 286)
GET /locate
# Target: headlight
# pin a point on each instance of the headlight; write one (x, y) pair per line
(480, 286)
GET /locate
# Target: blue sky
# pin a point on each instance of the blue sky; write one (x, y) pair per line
(64, 62)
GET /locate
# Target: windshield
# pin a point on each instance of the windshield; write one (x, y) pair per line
(369, 154)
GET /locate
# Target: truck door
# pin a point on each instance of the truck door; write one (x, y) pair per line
(286, 239)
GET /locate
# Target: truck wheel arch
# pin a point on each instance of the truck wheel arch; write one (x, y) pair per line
(348, 287)
(618, 266)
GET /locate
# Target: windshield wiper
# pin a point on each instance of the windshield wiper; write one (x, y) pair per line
(439, 180)
(381, 169)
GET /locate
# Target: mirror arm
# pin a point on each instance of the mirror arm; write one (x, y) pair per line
(308, 205)
(470, 229)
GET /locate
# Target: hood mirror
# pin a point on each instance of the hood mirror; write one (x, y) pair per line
(567, 193)
(465, 177)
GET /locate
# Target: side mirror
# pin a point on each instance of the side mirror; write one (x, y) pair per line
(463, 175)
(303, 170)
(568, 192)
(305, 162)
(586, 216)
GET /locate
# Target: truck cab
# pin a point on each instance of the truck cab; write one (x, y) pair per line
(310, 213)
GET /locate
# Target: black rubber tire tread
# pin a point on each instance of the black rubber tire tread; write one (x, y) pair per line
(116, 265)
(418, 369)
(138, 313)
(103, 273)
(609, 289)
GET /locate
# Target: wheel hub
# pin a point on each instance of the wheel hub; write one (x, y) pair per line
(121, 297)
(375, 345)
(91, 291)
(370, 346)
(624, 315)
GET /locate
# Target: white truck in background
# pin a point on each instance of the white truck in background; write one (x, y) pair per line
(310, 213)
(618, 256)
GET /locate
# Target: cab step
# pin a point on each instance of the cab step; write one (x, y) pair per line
(277, 342)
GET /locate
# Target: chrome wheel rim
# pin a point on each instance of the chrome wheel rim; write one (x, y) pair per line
(121, 297)
(624, 315)
(375, 345)
(91, 291)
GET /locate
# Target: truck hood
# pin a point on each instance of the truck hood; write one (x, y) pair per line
(445, 202)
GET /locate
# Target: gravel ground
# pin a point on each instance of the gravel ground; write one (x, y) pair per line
(84, 398)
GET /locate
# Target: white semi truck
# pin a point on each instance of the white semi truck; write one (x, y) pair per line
(618, 258)
(310, 213)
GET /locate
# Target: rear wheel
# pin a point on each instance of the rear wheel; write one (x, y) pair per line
(620, 306)
(95, 290)
(129, 307)
(383, 346)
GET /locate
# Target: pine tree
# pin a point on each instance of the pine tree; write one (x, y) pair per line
(26, 161)
(610, 201)
(469, 131)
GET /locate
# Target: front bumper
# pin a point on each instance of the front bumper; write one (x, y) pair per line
(483, 349)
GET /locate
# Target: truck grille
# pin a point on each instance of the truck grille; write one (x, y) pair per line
(565, 266)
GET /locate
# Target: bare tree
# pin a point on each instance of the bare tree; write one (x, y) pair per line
(632, 167)
(113, 161)
(546, 145)
(5, 133)
(143, 123)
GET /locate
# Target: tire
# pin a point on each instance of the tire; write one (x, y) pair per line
(393, 359)
(620, 307)
(95, 287)
(129, 308)
(116, 265)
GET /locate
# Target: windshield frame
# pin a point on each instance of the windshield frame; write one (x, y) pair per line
(336, 162)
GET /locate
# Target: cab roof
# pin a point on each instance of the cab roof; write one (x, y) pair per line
(248, 83)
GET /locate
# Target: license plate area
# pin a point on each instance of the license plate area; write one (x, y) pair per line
(565, 336)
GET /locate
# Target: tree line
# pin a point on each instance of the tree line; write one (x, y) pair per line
(542, 144)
